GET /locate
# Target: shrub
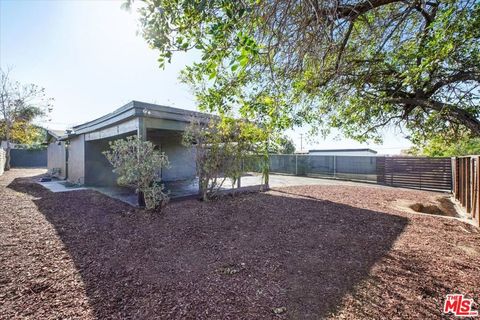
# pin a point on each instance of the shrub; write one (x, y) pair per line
(222, 147)
(138, 165)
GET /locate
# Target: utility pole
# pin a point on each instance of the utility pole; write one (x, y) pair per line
(301, 142)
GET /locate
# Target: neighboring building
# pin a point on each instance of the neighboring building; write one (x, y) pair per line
(164, 126)
(343, 152)
(301, 152)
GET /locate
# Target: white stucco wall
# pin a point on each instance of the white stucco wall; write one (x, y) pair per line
(56, 158)
(76, 159)
(3, 159)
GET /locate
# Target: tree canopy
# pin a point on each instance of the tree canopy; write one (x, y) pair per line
(22, 132)
(353, 65)
(437, 147)
(20, 104)
(282, 145)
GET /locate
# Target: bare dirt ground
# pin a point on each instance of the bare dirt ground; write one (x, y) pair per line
(307, 252)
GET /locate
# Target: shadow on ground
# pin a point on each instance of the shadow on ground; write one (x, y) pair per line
(228, 259)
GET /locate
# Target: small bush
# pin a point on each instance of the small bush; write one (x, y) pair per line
(222, 148)
(138, 165)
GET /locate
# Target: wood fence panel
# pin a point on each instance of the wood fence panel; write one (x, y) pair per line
(419, 173)
(477, 192)
(380, 170)
(466, 185)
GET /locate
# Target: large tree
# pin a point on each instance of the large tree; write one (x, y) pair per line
(282, 145)
(20, 104)
(438, 147)
(354, 65)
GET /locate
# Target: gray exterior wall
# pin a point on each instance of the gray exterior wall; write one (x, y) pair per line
(25, 158)
(182, 162)
(76, 159)
(98, 171)
(181, 158)
(57, 158)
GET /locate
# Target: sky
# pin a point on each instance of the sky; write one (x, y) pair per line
(89, 57)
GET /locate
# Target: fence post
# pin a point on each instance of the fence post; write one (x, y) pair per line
(454, 177)
(468, 184)
(476, 213)
(296, 164)
(474, 186)
(334, 166)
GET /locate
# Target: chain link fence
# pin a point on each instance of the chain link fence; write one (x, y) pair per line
(362, 168)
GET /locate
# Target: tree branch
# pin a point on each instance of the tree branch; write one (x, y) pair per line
(463, 116)
(457, 77)
(348, 11)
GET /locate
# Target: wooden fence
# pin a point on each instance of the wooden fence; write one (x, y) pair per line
(415, 172)
(466, 184)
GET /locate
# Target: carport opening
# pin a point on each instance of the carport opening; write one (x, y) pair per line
(98, 171)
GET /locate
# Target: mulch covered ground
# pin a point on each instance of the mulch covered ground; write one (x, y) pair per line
(304, 252)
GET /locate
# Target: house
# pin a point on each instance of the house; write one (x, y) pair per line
(164, 126)
(57, 153)
(54, 135)
(343, 152)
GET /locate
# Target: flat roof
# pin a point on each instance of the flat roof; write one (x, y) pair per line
(135, 109)
(56, 133)
(343, 150)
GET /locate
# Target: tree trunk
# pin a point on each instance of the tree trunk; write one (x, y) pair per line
(141, 199)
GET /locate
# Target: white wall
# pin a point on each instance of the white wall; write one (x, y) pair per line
(56, 158)
(3, 159)
(76, 159)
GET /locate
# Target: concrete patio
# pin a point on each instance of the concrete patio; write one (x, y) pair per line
(186, 188)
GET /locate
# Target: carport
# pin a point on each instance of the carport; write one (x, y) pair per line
(162, 125)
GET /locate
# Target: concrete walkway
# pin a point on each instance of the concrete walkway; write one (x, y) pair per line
(60, 186)
(278, 181)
